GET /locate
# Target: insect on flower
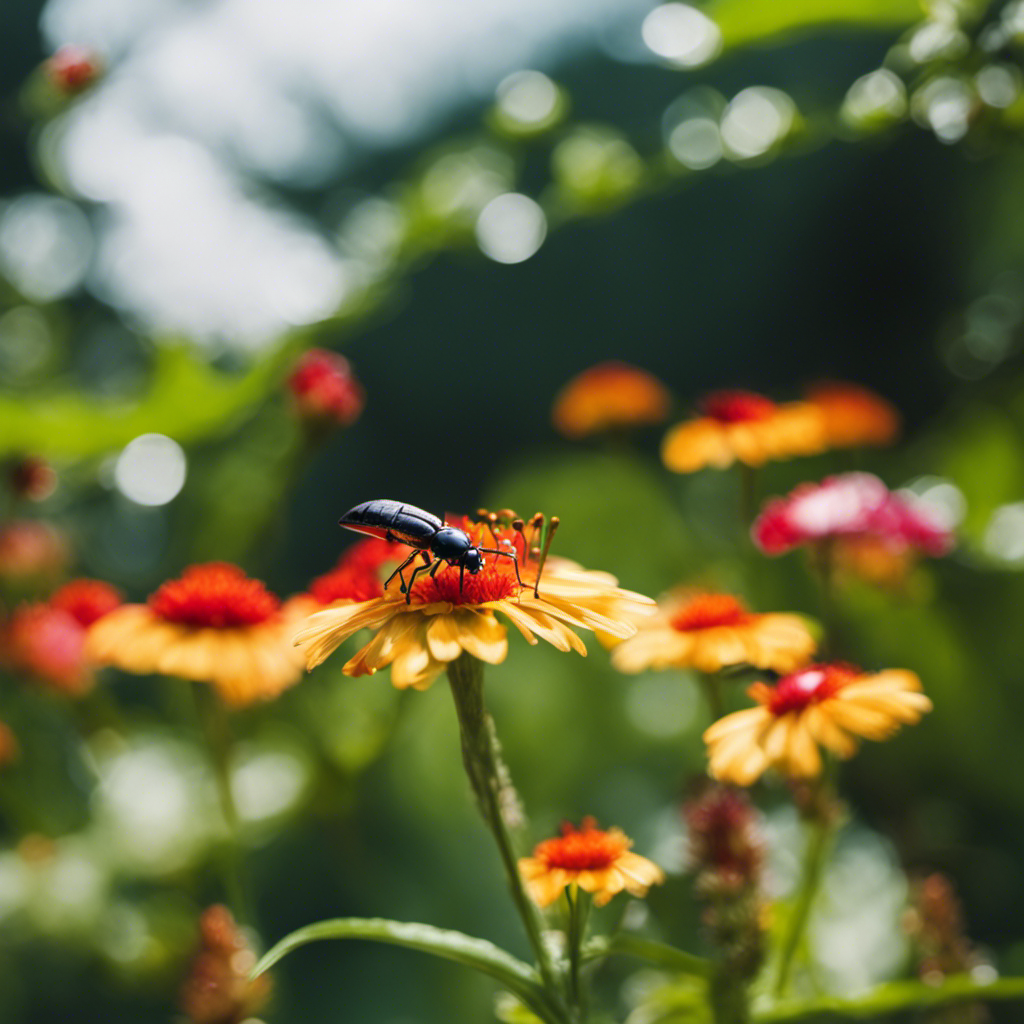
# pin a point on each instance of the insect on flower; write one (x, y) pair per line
(396, 521)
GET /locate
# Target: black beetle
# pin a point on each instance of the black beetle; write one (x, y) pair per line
(397, 521)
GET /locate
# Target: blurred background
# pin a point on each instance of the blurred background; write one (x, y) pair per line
(473, 206)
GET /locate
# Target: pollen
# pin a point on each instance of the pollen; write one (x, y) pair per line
(737, 406)
(216, 595)
(808, 686)
(705, 611)
(585, 849)
(492, 583)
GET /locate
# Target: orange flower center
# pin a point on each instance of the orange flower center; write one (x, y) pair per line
(586, 849)
(736, 406)
(809, 686)
(709, 610)
(492, 583)
(216, 595)
(87, 600)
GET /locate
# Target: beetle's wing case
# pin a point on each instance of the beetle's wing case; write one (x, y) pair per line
(396, 520)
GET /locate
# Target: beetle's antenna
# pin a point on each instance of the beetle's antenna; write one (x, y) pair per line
(549, 537)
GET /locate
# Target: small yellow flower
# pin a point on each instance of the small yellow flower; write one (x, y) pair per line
(830, 705)
(598, 862)
(740, 426)
(450, 613)
(213, 625)
(710, 632)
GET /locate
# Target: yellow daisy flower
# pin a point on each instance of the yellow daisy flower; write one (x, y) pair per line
(598, 862)
(449, 613)
(741, 426)
(830, 705)
(710, 632)
(213, 625)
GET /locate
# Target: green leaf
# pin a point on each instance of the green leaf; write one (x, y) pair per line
(186, 399)
(896, 996)
(752, 21)
(479, 954)
(625, 944)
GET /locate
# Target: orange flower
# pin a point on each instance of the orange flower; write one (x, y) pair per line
(607, 396)
(598, 862)
(710, 632)
(740, 426)
(213, 625)
(854, 415)
(830, 705)
(450, 613)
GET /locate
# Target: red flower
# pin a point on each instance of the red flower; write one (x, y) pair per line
(73, 69)
(87, 600)
(849, 505)
(358, 574)
(325, 389)
(48, 643)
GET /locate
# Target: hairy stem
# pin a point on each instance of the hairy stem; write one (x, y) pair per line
(495, 794)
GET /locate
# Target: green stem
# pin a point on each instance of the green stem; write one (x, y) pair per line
(824, 564)
(819, 842)
(578, 906)
(489, 779)
(712, 687)
(748, 495)
(217, 731)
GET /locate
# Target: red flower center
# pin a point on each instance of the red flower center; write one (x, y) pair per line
(708, 610)
(217, 595)
(492, 583)
(736, 406)
(809, 686)
(87, 600)
(586, 849)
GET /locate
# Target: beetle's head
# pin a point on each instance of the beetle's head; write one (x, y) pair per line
(473, 560)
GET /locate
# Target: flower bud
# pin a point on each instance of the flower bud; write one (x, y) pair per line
(324, 389)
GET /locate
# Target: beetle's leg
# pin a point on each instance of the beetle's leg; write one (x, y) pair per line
(398, 571)
(437, 565)
(462, 575)
(506, 554)
(412, 579)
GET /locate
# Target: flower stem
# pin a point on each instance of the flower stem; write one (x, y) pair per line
(712, 687)
(494, 794)
(819, 843)
(824, 564)
(217, 732)
(578, 907)
(748, 494)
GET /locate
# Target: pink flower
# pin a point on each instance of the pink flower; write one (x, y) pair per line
(848, 505)
(325, 389)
